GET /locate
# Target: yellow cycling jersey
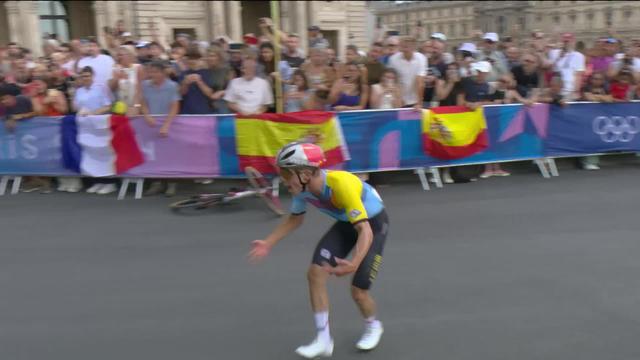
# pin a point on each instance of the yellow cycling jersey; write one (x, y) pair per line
(344, 197)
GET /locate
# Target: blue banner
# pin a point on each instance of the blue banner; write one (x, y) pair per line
(34, 148)
(385, 139)
(579, 129)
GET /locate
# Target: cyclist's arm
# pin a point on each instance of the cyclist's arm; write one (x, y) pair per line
(291, 223)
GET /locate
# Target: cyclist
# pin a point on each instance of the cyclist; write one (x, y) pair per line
(362, 226)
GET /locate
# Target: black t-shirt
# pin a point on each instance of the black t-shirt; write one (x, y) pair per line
(452, 98)
(23, 105)
(475, 92)
(429, 94)
(293, 61)
(525, 82)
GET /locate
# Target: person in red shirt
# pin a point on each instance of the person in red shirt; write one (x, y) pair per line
(621, 86)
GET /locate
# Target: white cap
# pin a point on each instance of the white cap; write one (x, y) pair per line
(481, 66)
(439, 36)
(491, 36)
(126, 34)
(470, 47)
(142, 44)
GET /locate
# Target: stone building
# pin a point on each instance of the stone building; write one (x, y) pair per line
(458, 19)
(342, 22)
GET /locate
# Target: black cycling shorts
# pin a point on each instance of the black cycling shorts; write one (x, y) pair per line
(340, 240)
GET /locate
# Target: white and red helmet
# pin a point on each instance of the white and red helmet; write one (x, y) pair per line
(300, 154)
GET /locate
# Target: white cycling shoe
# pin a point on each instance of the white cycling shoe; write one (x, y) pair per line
(316, 349)
(371, 336)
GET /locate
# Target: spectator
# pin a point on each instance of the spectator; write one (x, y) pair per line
(411, 67)
(373, 65)
(267, 68)
(466, 56)
(628, 62)
(601, 58)
(124, 82)
(319, 75)
(477, 92)
(429, 98)
(351, 91)
(298, 93)
(93, 99)
(235, 58)
(16, 107)
(160, 96)
(386, 94)
(570, 64)
(248, 94)
(622, 86)
(184, 40)
(427, 49)
(513, 57)
(439, 43)
(437, 62)
(554, 93)
(292, 53)
(449, 89)
(48, 101)
(156, 52)
(178, 62)
(221, 74)
(61, 80)
(528, 79)
(493, 56)
(391, 47)
(102, 65)
(316, 39)
(503, 92)
(352, 55)
(196, 85)
(596, 89)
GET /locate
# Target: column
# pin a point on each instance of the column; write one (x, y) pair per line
(234, 27)
(217, 15)
(301, 24)
(286, 18)
(13, 17)
(29, 27)
(100, 11)
(127, 15)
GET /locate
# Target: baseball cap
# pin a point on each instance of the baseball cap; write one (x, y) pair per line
(439, 36)
(481, 66)
(491, 37)
(235, 46)
(314, 28)
(250, 39)
(470, 47)
(142, 44)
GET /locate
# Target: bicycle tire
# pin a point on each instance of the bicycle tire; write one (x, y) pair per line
(197, 202)
(262, 186)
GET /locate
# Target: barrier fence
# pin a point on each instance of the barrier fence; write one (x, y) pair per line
(204, 146)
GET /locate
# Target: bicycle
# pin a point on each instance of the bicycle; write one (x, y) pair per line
(259, 186)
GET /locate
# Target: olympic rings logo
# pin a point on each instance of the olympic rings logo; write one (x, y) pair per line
(616, 128)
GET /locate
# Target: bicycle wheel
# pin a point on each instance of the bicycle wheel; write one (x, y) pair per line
(198, 202)
(264, 190)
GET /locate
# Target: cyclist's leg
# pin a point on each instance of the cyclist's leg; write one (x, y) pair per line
(333, 244)
(368, 269)
(337, 242)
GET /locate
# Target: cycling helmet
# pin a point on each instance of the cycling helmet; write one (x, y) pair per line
(300, 154)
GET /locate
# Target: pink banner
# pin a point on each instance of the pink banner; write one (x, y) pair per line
(190, 150)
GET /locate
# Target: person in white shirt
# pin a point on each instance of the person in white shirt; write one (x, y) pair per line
(411, 67)
(101, 64)
(248, 94)
(570, 64)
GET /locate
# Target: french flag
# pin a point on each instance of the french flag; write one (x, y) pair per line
(99, 145)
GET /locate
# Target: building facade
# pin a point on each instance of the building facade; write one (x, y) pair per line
(25, 22)
(460, 19)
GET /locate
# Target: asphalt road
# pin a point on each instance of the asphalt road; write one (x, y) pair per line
(505, 268)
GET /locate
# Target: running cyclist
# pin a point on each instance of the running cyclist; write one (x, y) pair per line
(362, 226)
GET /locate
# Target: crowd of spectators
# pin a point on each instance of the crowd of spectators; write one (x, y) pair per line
(222, 76)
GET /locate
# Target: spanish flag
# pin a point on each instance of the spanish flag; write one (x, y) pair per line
(259, 137)
(454, 132)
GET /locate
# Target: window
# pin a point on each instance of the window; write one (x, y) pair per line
(465, 30)
(556, 19)
(590, 15)
(501, 25)
(628, 12)
(572, 17)
(522, 21)
(53, 19)
(452, 30)
(608, 16)
(538, 18)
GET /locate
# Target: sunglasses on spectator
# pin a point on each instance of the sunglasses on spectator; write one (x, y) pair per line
(392, 45)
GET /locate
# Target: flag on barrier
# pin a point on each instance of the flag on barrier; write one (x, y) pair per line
(453, 132)
(259, 137)
(99, 145)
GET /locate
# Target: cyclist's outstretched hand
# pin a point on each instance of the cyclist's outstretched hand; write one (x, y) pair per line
(259, 250)
(343, 268)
